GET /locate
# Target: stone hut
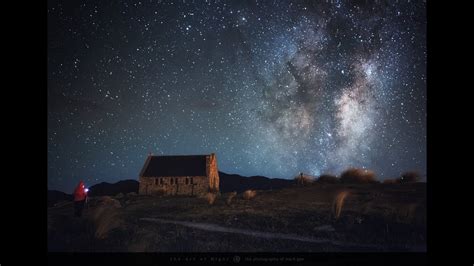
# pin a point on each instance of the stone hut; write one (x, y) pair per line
(179, 175)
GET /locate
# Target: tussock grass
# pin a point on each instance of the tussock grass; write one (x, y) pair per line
(230, 197)
(210, 198)
(249, 194)
(105, 217)
(339, 202)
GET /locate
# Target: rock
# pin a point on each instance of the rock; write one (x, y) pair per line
(131, 194)
(119, 195)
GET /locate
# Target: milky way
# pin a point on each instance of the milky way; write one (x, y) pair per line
(272, 87)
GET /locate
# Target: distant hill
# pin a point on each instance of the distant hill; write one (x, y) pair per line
(57, 196)
(233, 182)
(228, 183)
(108, 189)
(101, 189)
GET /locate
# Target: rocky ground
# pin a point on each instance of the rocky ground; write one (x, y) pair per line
(373, 217)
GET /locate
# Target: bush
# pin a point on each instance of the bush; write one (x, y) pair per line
(211, 197)
(249, 194)
(358, 176)
(329, 179)
(230, 197)
(410, 177)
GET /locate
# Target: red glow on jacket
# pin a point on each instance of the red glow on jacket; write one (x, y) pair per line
(80, 192)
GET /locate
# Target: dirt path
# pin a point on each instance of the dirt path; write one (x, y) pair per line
(267, 235)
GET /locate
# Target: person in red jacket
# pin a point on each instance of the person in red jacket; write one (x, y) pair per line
(80, 196)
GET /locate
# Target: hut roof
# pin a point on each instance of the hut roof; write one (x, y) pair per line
(182, 165)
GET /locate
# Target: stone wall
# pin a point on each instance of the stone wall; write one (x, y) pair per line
(181, 185)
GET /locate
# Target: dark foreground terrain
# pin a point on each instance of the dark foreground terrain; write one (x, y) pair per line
(373, 217)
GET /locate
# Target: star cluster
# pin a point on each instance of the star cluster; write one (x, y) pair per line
(272, 87)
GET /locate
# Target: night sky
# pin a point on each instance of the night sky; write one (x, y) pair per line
(274, 88)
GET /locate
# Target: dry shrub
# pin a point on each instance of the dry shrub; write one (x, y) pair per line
(358, 176)
(328, 179)
(230, 197)
(106, 216)
(210, 198)
(410, 177)
(391, 181)
(339, 202)
(249, 194)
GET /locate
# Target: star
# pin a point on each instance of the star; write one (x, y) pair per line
(273, 89)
